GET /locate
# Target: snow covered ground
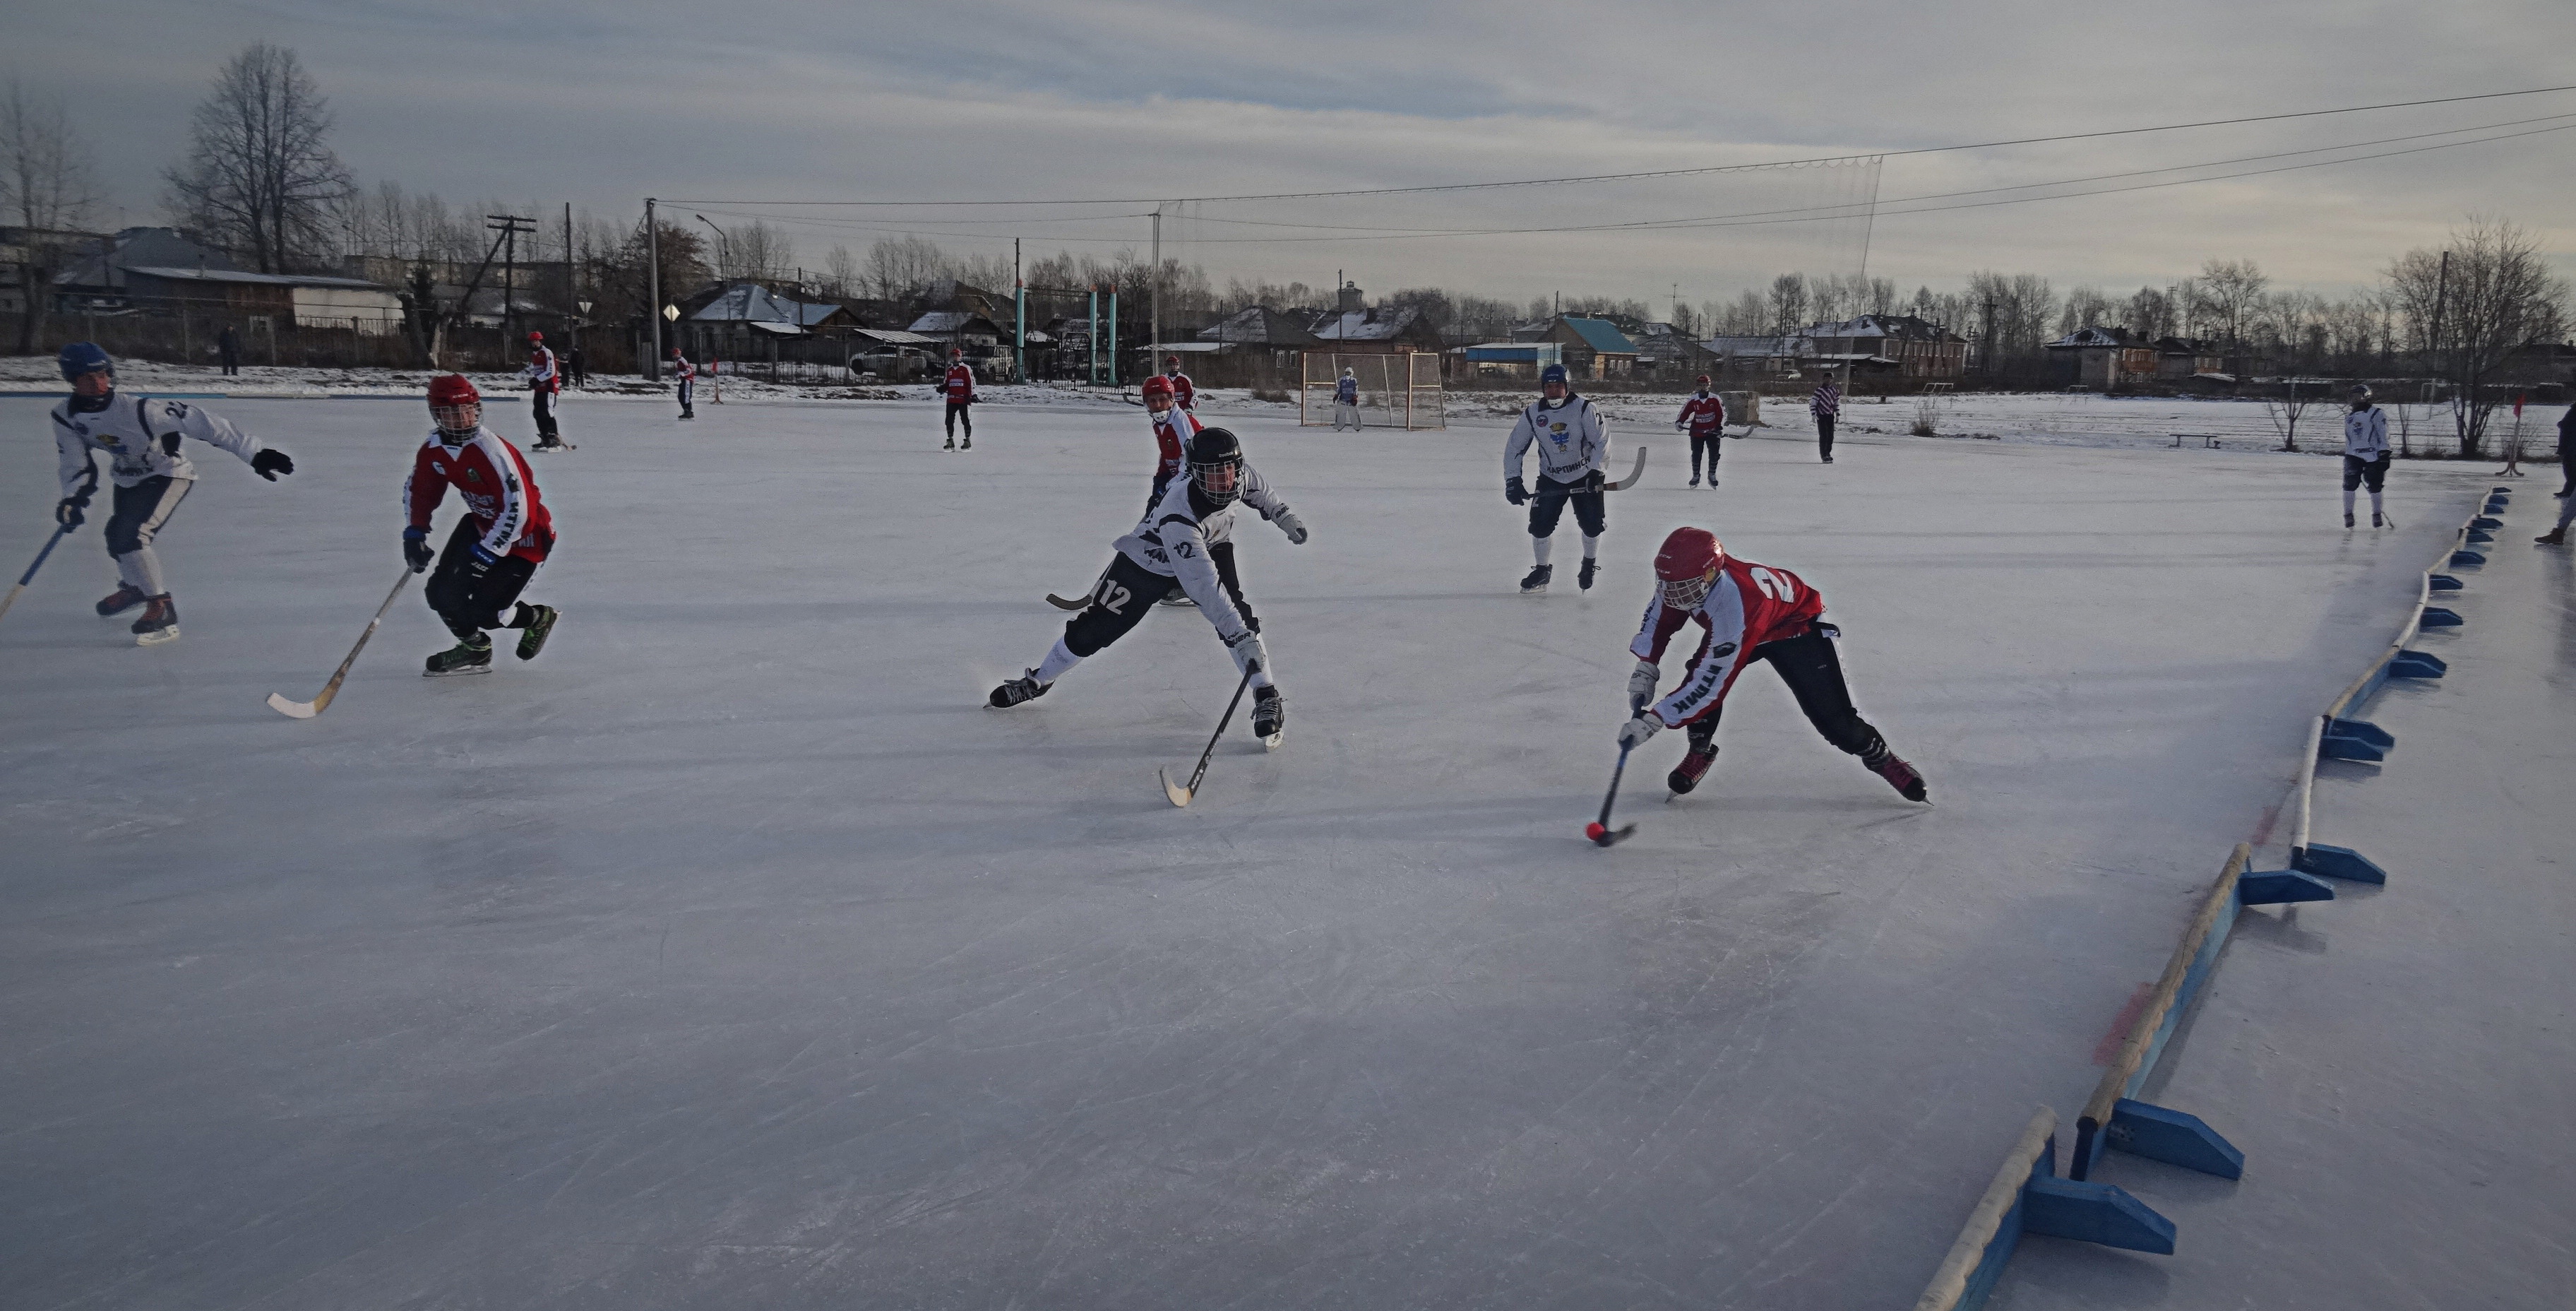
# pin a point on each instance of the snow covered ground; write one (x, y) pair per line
(732, 954)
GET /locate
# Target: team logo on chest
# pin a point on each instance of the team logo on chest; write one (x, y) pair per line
(474, 475)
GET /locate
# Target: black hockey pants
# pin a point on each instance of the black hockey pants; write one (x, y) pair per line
(1825, 435)
(2357, 471)
(1813, 670)
(465, 603)
(1130, 589)
(1710, 441)
(958, 412)
(542, 404)
(1549, 501)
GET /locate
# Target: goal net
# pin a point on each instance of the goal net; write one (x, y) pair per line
(1395, 391)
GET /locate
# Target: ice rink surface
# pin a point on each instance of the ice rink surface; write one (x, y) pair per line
(731, 954)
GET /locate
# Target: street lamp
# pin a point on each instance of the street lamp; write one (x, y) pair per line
(724, 248)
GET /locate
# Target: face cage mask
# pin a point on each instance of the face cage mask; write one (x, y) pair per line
(1687, 593)
(457, 422)
(1200, 474)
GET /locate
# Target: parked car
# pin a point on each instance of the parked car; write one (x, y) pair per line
(891, 364)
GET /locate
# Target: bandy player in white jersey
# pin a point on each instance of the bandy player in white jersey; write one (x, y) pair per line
(1752, 613)
(1188, 538)
(150, 469)
(1571, 444)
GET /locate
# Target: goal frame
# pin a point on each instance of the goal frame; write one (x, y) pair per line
(1401, 389)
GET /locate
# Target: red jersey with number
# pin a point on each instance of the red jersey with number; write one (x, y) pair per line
(1748, 605)
(959, 385)
(1172, 434)
(1704, 412)
(492, 478)
(1183, 392)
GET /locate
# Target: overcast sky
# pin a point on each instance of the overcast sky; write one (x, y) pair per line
(603, 104)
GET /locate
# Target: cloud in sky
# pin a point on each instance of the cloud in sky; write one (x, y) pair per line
(604, 104)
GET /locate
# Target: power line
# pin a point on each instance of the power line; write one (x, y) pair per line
(1817, 162)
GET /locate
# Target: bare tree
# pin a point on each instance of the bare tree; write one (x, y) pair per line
(756, 250)
(2284, 412)
(259, 177)
(2086, 307)
(2498, 297)
(2151, 314)
(1788, 304)
(2230, 291)
(46, 189)
(841, 273)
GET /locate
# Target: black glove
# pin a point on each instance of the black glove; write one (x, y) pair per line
(268, 464)
(416, 552)
(1514, 492)
(67, 511)
(1593, 481)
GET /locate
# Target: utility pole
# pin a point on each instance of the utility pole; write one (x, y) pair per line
(652, 369)
(1986, 357)
(1154, 356)
(1019, 317)
(509, 227)
(571, 294)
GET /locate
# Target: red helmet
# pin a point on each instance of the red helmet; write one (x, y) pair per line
(454, 405)
(1173, 360)
(1156, 385)
(956, 352)
(1703, 380)
(1687, 564)
(536, 336)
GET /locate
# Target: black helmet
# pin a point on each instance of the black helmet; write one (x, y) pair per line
(1213, 449)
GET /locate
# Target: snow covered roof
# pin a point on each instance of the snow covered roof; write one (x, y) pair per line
(1367, 325)
(2083, 338)
(156, 247)
(265, 279)
(1601, 335)
(946, 323)
(895, 337)
(1258, 325)
(1903, 327)
(750, 302)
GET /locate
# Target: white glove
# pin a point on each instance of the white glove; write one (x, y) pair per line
(1248, 652)
(1634, 733)
(1290, 524)
(1641, 687)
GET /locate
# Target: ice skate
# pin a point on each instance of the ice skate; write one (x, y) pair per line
(160, 622)
(1694, 480)
(1583, 576)
(1535, 580)
(1024, 688)
(2347, 519)
(1693, 768)
(541, 625)
(121, 600)
(2554, 537)
(952, 445)
(1899, 775)
(966, 445)
(2375, 520)
(471, 656)
(1269, 716)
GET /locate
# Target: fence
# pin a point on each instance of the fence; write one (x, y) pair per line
(2026, 1195)
(193, 335)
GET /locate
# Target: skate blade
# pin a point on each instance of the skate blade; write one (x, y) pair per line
(1271, 743)
(170, 634)
(1540, 590)
(456, 673)
(1178, 796)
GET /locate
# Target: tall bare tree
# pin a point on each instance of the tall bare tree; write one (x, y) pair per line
(2230, 291)
(2498, 297)
(259, 177)
(46, 190)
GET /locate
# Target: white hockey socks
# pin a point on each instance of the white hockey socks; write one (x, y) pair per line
(2347, 500)
(1057, 663)
(1542, 547)
(2374, 502)
(1591, 547)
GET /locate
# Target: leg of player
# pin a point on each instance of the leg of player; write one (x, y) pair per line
(2558, 536)
(1591, 512)
(2376, 473)
(1814, 672)
(1715, 438)
(470, 600)
(1118, 604)
(1702, 754)
(952, 427)
(1825, 437)
(966, 420)
(2352, 467)
(1547, 505)
(140, 513)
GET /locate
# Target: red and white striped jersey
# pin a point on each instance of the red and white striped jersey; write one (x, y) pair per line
(541, 372)
(1172, 434)
(682, 369)
(959, 385)
(1748, 605)
(1704, 412)
(1183, 390)
(492, 478)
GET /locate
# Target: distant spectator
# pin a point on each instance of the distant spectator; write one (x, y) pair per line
(573, 363)
(2567, 468)
(1826, 405)
(228, 347)
(1182, 390)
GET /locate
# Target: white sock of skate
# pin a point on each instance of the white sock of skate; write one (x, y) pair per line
(1591, 547)
(2374, 502)
(1057, 662)
(2347, 500)
(1542, 547)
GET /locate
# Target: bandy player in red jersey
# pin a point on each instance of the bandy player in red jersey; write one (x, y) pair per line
(1752, 612)
(959, 389)
(505, 534)
(1174, 426)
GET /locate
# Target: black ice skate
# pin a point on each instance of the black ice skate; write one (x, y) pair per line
(2374, 520)
(952, 445)
(1693, 768)
(1899, 775)
(1583, 576)
(2347, 518)
(471, 656)
(121, 600)
(160, 621)
(1694, 480)
(1269, 716)
(968, 444)
(1024, 688)
(1536, 580)
(541, 625)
